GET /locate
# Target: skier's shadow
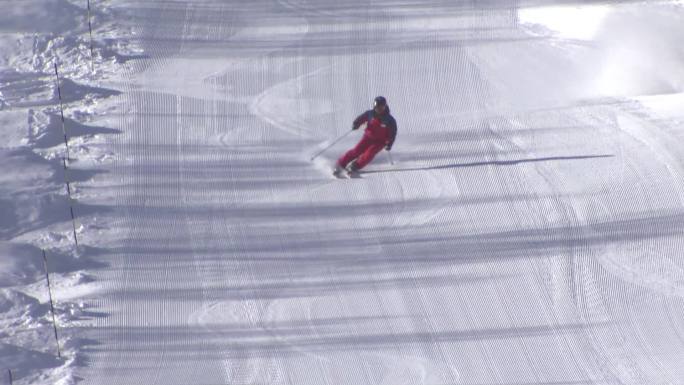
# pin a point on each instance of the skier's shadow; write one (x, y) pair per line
(488, 163)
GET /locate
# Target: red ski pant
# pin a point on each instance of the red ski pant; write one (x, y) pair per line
(364, 152)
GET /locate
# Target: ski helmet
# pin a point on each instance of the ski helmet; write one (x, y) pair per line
(379, 101)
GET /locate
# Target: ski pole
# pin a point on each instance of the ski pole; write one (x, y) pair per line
(331, 144)
(390, 157)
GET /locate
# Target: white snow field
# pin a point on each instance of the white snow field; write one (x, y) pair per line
(529, 232)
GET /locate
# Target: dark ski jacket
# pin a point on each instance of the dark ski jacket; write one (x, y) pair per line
(380, 128)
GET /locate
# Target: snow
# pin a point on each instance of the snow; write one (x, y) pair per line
(529, 230)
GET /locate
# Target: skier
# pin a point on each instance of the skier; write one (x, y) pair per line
(381, 130)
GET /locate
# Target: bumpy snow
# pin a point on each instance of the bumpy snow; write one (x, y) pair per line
(530, 230)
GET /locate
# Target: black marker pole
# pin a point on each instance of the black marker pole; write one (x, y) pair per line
(52, 306)
(61, 111)
(90, 29)
(71, 201)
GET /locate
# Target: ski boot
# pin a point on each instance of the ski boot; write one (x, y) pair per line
(339, 171)
(353, 170)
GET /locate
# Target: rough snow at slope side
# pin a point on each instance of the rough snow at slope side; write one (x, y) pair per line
(34, 206)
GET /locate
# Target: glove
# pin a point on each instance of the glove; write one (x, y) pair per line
(355, 126)
(388, 147)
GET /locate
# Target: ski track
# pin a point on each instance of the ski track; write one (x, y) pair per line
(244, 264)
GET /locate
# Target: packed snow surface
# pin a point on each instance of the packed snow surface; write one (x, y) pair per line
(530, 229)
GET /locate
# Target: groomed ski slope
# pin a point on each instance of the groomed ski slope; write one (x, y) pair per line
(529, 232)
